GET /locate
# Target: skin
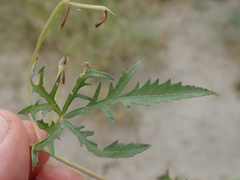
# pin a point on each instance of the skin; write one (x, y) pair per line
(15, 160)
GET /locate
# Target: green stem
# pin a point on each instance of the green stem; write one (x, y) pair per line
(89, 6)
(72, 164)
(53, 16)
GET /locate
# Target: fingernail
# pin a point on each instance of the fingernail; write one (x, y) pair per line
(3, 128)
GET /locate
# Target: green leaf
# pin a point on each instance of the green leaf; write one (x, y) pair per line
(34, 155)
(148, 93)
(124, 79)
(122, 150)
(114, 150)
(54, 132)
(81, 82)
(166, 176)
(156, 93)
(33, 109)
(112, 93)
(97, 74)
(49, 97)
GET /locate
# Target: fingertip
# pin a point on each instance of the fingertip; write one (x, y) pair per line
(14, 149)
(31, 133)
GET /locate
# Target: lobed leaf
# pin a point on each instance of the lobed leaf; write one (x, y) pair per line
(33, 109)
(112, 94)
(148, 93)
(54, 132)
(165, 92)
(114, 150)
(49, 97)
(81, 82)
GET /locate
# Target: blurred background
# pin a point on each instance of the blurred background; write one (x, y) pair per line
(196, 42)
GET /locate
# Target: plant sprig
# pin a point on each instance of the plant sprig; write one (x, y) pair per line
(148, 93)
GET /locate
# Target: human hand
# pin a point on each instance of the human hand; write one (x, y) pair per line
(15, 159)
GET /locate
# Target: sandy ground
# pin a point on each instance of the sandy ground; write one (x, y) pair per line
(198, 138)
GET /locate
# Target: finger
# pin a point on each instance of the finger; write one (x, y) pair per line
(31, 133)
(14, 147)
(42, 158)
(58, 172)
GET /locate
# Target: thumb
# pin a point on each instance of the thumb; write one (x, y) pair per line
(14, 147)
